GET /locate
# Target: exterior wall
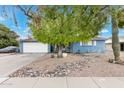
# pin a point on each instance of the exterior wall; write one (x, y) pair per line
(108, 43)
(34, 47)
(49, 48)
(109, 46)
(21, 47)
(98, 48)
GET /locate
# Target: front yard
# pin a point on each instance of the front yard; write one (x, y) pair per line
(82, 65)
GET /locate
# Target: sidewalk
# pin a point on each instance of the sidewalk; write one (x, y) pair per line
(63, 82)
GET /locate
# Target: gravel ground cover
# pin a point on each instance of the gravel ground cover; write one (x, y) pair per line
(75, 65)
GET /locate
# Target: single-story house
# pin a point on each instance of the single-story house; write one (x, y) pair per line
(108, 43)
(32, 46)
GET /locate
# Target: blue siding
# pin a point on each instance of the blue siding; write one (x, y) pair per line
(21, 46)
(98, 48)
(49, 48)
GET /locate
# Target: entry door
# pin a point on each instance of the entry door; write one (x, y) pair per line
(122, 46)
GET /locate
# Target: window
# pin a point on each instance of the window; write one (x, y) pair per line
(90, 43)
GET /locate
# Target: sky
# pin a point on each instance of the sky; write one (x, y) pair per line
(23, 29)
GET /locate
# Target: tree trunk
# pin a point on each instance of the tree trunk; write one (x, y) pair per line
(60, 52)
(115, 41)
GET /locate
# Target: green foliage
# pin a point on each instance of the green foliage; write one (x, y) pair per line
(7, 37)
(121, 18)
(117, 13)
(61, 25)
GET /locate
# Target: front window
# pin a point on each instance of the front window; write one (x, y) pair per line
(90, 43)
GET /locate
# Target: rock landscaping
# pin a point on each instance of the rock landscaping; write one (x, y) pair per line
(60, 71)
(74, 65)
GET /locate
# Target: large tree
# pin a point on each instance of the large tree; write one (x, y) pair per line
(116, 12)
(61, 25)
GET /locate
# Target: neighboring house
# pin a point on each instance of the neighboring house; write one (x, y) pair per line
(95, 45)
(108, 43)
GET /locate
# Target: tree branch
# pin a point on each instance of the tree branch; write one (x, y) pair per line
(26, 12)
(103, 8)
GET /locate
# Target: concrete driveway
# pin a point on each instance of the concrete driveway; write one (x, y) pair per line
(10, 63)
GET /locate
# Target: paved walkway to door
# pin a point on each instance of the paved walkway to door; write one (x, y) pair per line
(63, 82)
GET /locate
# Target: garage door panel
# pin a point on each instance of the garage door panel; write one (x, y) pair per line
(34, 47)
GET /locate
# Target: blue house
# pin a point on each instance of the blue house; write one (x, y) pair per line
(96, 45)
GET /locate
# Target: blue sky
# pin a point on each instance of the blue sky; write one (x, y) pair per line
(23, 28)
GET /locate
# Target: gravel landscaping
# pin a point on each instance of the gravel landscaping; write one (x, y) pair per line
(75, 65)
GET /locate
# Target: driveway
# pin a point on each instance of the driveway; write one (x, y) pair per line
(10, 63)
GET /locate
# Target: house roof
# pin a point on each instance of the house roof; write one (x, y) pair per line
(33, 40)
(99, 39)
(28, 40)
(109, 40)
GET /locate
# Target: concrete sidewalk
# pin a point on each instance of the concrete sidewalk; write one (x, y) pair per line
(63, 82)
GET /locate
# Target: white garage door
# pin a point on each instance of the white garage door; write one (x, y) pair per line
(35, 47)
